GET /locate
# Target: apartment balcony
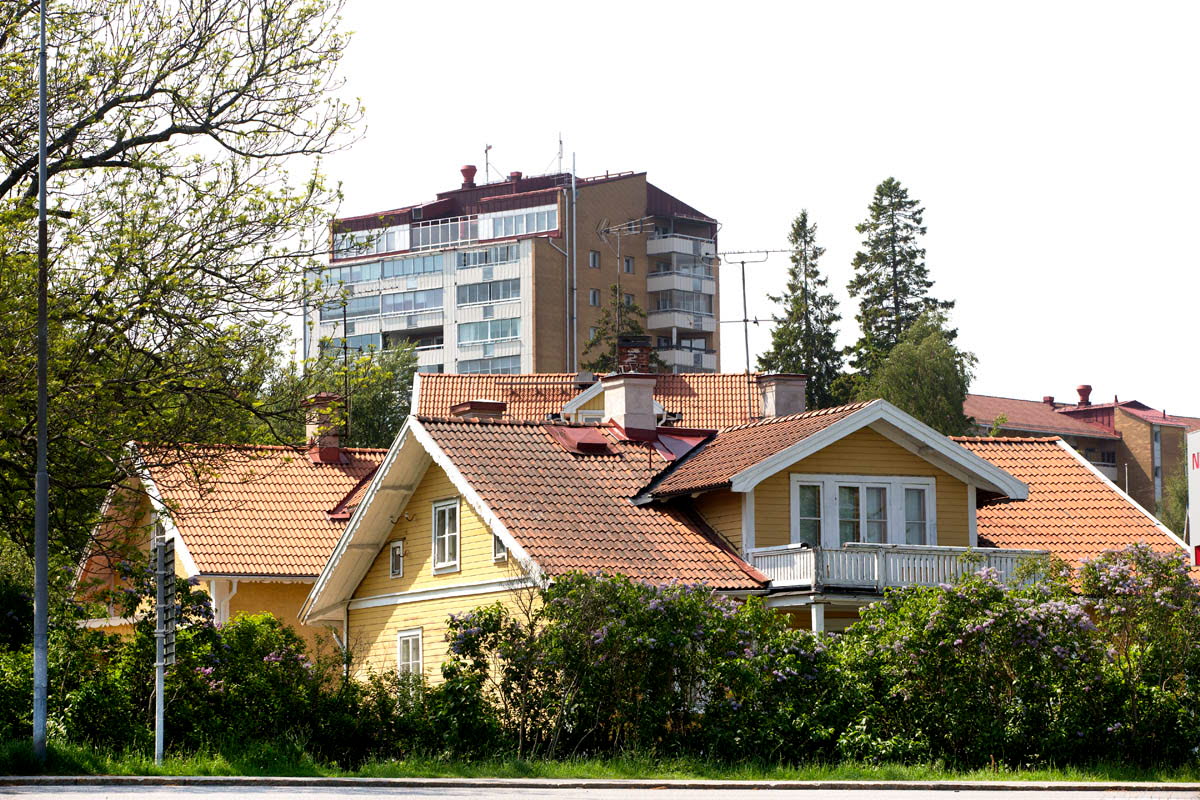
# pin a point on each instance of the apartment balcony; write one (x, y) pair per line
(1108, 470)
(683, 320)
(874, 567)
(414, 321)
(666, 244)
(683, 281)
(431, 356)
(686, 359)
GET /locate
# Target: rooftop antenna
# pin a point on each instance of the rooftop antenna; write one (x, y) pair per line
(560, 152)
(745, 257)
(633, 227)
(487, 163)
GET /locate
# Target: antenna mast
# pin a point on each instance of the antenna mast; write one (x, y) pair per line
(745, 320)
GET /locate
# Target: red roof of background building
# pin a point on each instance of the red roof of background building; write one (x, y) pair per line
(1071, 510)
(258, 510)
(573, 511)
(1029, 415)
(703, 399)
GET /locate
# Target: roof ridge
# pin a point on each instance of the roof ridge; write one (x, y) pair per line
(811, 414)
(1006, 439)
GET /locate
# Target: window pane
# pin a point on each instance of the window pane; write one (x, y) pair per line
(847, 531)
(848, 502)
(876, 503)
(810, 501)
(876, 532)
(810, 532)
(914, 533)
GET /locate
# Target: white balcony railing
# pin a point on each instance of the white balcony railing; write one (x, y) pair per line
(678, 243)
(874, 567)
(683, 320)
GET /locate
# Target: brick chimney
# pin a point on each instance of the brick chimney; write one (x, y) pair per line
(322, 417)
(783, 394)
(629, 402)
(480, 409)
(633, 354)
(468, 173)
(1048, 400)
(1085, 394)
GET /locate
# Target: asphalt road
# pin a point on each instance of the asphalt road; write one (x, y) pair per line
(500, 793)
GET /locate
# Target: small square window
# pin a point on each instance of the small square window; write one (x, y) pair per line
(408, 652)
(628, 266)
(594, 259)
(499, 551)
(397, 559)
(628, 299)
(593, 297)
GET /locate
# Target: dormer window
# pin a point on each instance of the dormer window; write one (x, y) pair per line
(834, 510)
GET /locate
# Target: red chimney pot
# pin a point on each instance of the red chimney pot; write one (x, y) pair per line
(514, 175)
(1085, 394)
(468, 173)
(1048, 399)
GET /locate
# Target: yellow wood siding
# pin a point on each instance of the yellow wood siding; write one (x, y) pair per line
(475, 544)
(373, 630)
(863, 452)
(723, 511)
(278, 598)
(594, 404)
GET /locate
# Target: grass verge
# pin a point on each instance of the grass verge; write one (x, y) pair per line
(16, 758)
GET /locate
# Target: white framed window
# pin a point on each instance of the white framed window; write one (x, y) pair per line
(628, 265)
(445, 536)
(832, 510)
(594, 259)
(628, 299)
(396, 558)
(499, 551)
(408, 652)
(593, 297)
(593, 332)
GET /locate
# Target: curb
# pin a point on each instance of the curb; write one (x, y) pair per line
(200, 781)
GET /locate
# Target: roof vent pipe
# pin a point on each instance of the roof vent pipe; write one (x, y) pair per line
(1048, 399)
(468, 173)
(514, 175)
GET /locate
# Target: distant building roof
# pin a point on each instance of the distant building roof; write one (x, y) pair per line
(1072, 510)
(1030, 416)
(702, 399)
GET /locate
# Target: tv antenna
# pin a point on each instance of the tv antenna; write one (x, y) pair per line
(744, 257)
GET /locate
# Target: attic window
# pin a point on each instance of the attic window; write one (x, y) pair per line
(397, 559)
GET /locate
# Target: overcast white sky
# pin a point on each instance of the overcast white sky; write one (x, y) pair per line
(1053, 145)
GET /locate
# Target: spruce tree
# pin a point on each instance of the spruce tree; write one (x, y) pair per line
(616, 320)
(804, 338)
(890, 279)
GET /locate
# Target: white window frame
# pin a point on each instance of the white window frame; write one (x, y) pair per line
(895, 485)
(594, 298)
(499, 549)
(448, 566)
(627, 265)
(419, 662)
(393, 548)
(593, 259)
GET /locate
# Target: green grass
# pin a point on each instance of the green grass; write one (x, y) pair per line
(16, 758)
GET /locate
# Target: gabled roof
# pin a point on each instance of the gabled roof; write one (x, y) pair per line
(1072, 509)
(254, 510)
(1029, 415)
(1155, 417)
(703, 399)
(741, 456)
(574, 512)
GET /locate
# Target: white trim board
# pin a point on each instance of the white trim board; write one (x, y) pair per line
(942, 452)
(163, 514)
(441, 592)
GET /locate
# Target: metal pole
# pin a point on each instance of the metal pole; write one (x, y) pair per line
(160, 660)
(746, 340)
(574, 270)
(41, 547)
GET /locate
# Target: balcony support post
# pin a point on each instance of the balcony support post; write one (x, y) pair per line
(817, 611)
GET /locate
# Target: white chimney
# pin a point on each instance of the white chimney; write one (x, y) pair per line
(629, 402)
(783, 394)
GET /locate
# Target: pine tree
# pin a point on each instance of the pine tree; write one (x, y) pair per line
(890, 280)
(616, 320)
(804, 338)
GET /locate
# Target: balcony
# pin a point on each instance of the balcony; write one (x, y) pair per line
(687, 359)
(874, 567)
(677, 243)
(687, 282)
(1107, 469)
(683, 320)
(411, 321)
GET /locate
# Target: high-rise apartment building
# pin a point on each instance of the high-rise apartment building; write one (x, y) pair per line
(513, 276)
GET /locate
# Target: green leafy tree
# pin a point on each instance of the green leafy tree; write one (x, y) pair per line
(926, 375)
(616, 320)
(178, 238)
(890, 279)
(1174, 506)
(804, 338)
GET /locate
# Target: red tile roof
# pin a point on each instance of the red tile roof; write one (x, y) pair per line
(1156, 417)
(1071, 511)
(257, 510)
(1029, 415)
(736, 448)
(573, 511)
(705, 400)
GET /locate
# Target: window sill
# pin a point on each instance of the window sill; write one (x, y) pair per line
(446, 569)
